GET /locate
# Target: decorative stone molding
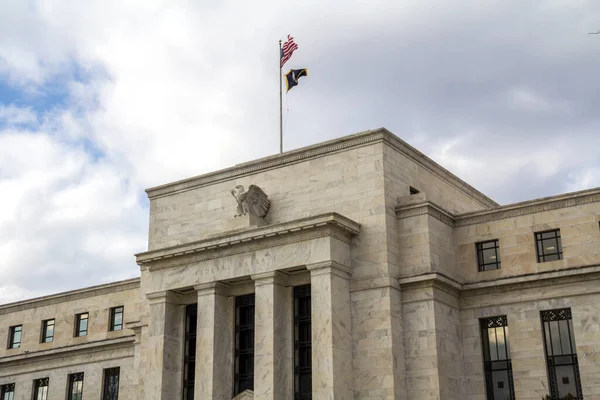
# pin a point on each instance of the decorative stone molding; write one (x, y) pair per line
(425, 208)
(270, 278)
(164, 296)
(71, 350)
(327, 267)
(380, 135)
(71, 295)
(434, 278)
(213, 288)
(374, 283)
(529, 207)
(539, 279)
(331, 224)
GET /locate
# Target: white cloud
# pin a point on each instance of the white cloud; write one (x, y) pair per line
(12, 115)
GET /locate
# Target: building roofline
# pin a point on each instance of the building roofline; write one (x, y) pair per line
(71, 295)
(360, 139)
(513, 210)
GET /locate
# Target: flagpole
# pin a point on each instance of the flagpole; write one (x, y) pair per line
(280, 104)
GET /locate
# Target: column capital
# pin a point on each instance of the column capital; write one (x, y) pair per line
(270, 278)
(164, 296)
(214, 288)
(330, 267)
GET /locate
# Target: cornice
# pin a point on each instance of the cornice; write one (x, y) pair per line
(231, 243)
(71, 295)
(380, 135)
(428, 279)
(425, 207)
(538, 279)
(56, 352)
(529, 207)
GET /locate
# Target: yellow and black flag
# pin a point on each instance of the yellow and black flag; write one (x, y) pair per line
(291, 78)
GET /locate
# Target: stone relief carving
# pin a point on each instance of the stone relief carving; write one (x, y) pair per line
(254, 201)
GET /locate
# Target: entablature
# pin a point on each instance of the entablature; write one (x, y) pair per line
(237, 242)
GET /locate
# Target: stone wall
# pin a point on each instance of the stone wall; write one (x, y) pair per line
(522, 305)
(579, 230)
(67, 354)
(63, 308)
(91, 364)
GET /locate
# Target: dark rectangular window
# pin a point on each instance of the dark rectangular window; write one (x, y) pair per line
(7, 392)
(488, 255)
(14, 336)
(81, 324)
(47, 331)
(302, 344)
(548, 245)
(244, 344)
(496, 358)
(40, 389)
(110, 389)
(75, 389)
(561, 354)
(116, 318)
(189, 355)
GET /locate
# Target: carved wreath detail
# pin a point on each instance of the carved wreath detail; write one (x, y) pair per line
(254, 201)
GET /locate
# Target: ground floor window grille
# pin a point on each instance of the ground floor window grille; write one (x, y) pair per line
(75, 389)
(111, 383)
(496, 358)
(561, 354)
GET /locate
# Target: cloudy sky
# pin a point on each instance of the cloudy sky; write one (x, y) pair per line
(101, 99)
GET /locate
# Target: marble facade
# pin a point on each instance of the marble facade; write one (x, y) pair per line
(385, 237)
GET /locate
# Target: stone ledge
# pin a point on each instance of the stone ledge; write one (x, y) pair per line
(534, 279)
(332, 220)
(89, 347)
(421, 206)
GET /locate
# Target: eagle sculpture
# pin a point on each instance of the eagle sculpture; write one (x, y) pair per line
(254, 201)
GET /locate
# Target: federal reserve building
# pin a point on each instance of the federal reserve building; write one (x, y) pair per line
(356, 268)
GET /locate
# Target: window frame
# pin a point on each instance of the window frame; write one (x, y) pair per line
(302, 369)
(78, 320)
(7, 388)
(491, 365)
(39, 383)
(554, 360)
(111, 322)
(244, 381)
(11, 336)
(44, 331)
(72, 379)
(479, 248)
(107, 373)
(539, 245)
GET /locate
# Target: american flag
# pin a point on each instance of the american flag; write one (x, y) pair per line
(287, 50)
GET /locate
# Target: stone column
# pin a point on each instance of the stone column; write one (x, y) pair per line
(214, 343)
(273, 362)
(165, 343)
(331, 331)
